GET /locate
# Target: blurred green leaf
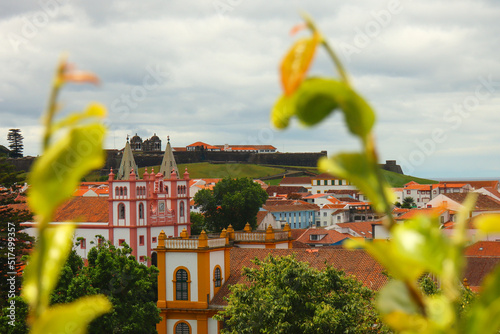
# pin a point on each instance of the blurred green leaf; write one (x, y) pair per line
(73, 317)
(488, 223)
(48, 262)
(398, 310)
(282, 111)
(93, 110)
(395, 296)
(386, 254)
(484, 313)
(296, 63)
(316, 98)
(422, 240)
(56, 174)
(356, 168)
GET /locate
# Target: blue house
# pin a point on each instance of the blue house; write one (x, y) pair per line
(298, 214)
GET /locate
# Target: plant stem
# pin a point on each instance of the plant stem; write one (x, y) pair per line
(338, 64)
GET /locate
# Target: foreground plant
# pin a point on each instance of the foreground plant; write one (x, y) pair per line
(289, 296)
(72, 147)
(416, 247)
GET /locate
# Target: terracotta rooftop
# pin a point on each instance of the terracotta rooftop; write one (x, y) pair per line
(85, 209)
(326, 237)
(475, 184)
(271, 190)
(324, 176)
(351, 192)
(296, 180)
(478, 267)
(356, 263)
(425, 212)
(363, 229)
(483, 202)
(484, 249)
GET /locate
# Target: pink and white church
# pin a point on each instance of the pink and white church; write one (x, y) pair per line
(136, 210)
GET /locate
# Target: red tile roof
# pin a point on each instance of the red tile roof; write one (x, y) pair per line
(484, 249)
(475, 184)
(325, 176)
(84, 209)
(199, 143)
(478, 267)
(271, 190)
(483, 202)
(363, 229)
(296, 180)
(356, 263)
(328, 237)
(425, 212)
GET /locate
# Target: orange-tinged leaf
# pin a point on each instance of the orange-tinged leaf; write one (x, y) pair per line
(296, 63)
(80, 76)
(296, 28)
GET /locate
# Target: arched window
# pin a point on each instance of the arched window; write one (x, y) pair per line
(121, 211)
(125, 191)
(141, 211)
(181, 280)
(181, 209)
(121, 191)
(217, 277)
(117, 191)
(182, 328)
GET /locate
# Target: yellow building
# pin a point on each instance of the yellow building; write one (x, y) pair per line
(192, 270)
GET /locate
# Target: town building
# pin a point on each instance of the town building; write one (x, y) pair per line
(201, 146)
(195, 273)
(135, 210)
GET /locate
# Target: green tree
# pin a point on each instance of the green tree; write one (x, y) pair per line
(14, 243)
(130, 286)
(197, 223)
(232, 201)
(408, 203)
(13, 318)
(288, 296)
(16, 146)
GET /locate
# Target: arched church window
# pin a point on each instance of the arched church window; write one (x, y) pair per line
(182, 328)
(217, 277)
(141, 211)
(181, 285)
(121, 211)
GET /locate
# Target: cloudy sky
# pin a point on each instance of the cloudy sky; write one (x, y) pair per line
(206, 70)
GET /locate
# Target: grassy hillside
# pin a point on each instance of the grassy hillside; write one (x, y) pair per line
(397, 180)
(207, 170)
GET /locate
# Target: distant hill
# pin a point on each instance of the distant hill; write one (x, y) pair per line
(207, 170)
(399, 180)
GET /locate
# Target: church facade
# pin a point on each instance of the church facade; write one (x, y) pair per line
(135, 211)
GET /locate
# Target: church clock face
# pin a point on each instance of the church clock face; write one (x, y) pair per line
(161, 206)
